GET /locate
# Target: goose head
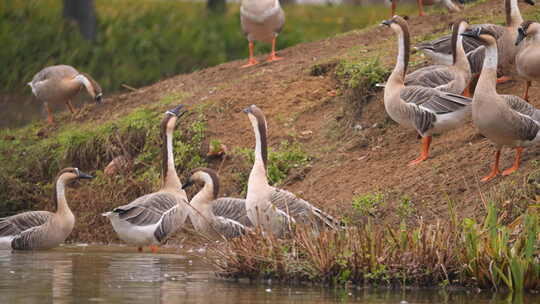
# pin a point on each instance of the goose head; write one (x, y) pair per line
(205, 176)
(257, 118)
(527, 28)
(92, 87)
(169, 120)
(484, 35)
(397, 24)
(530, 2)
(69, 174)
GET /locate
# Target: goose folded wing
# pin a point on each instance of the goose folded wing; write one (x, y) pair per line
(21, 222)
(299, 209)
(433, 100)
(432, 77)
(231, 208)
(527, 117)
(146, 210)
(443, 44)
(228, 228)
(476, 59)
(171, 220)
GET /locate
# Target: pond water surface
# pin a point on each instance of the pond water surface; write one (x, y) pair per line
(90, 274)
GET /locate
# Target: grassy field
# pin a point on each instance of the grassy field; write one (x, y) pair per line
(143, 41)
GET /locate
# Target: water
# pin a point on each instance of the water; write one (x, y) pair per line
(80, 274)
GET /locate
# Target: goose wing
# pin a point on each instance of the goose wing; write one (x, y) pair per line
(229, 228)
(527, 118)
(171, 220)
(476, 59)
(231, 208)
(434, 100)
(431, 77)
(443, 44)
(55, 72)
(300, 210)
(19, 223)
(147, 209)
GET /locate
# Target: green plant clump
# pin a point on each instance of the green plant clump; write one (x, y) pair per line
(367, 204)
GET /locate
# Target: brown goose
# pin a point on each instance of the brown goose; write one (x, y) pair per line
(528, 56)
(449, 4)
(453, 78)
(506, 120)
(152, 218)
(440, 50)
(273, 209)
(261, 20)
(60, 83)
(426, 110)
(203, 217)
(42, 229)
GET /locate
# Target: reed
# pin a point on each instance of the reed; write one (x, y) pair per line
(490, 255)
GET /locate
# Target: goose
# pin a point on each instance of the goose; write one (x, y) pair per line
(427, 110)
(272, 209)
(440, 50)
(528, 56)
(506, 120)
(35, 230)
(203, 217)
(60, 83)
(453, 78)
(261, 20)
(449, 4)
(152, 218)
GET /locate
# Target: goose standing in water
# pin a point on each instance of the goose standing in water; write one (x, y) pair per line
(528, 56)
(426, 110)
(151, 218)
(203, 217)
(261, 20)
(42, 229)
(453, 78)
(271, 208)
(60, 83)
(440, 50)
(506, 120)
(449, 4)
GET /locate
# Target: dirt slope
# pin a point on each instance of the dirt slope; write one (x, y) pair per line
(346, 163)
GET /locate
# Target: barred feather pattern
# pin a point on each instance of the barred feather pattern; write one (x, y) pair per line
(147, 209)
(231, 208)
(18, 223)
(528, 119)
(300, 210)
(172, 220)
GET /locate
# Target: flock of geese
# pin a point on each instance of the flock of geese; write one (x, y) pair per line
(433, 99)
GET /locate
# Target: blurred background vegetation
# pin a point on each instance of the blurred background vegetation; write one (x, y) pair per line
(138, 42)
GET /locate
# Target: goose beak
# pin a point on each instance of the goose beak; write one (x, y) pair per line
(386, 22)
(521, 35)
(188, 184)
(99, 98)
(84, 175)
(177, 111)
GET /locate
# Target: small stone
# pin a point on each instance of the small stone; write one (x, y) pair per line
(358, 127)
(268, 290)
(403, 302)
(375, 125)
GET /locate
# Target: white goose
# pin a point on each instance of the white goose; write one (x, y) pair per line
(151, 218)
(42, 229)
(273, 209)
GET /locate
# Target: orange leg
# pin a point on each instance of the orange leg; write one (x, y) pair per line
(154, 248)
(495, 171)
(394, 4)
(527, 86)
(70, 106)
(503, 79)
(251, 61)
(426, 142)
(467, 91)
(517, 161)
(420, 7)
(49, 114)
(273, 56)
(139, 249)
